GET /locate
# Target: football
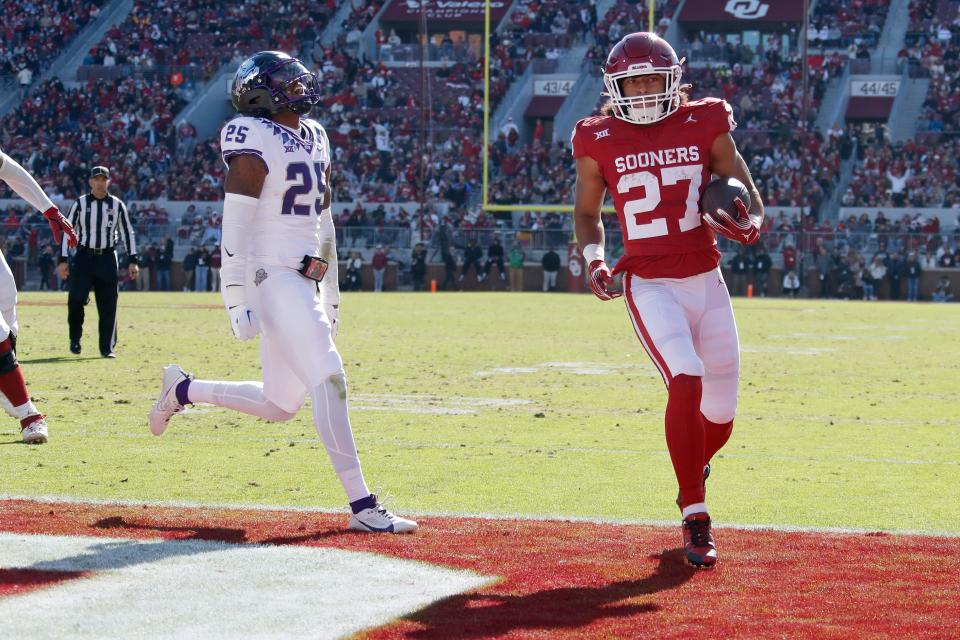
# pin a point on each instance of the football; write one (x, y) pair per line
(721, 193)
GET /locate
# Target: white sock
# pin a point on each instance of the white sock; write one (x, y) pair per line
(240, 396)
(697, 507)
(333, 426)
(25, 410)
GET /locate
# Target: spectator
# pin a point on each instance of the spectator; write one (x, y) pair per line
(449, 266)
(45, 262)
(791, 284)
(895, 272)
(761, 270)
(418, 266)
(516, 267)
(202, 270)
(824, 270)
(25, 79)
(878, 271)
(215, 261)
(471, 258)
(189, 269)
(551, 266)
(148, 259)
(164, 261)
(495, 257)
(943, 292)
(739, 266)
(379, 264)
(351, 281)
(913, 271)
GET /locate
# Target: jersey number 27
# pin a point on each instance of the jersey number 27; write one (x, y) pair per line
(633, 209)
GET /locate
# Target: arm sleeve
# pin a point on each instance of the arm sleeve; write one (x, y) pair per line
(330, 287)
(126, 230)
(238, 212)
(23, 183)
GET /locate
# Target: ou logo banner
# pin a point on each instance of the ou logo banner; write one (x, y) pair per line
(747, 9)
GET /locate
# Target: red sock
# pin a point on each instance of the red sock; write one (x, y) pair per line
(716, 435)
(12, 383)
(685, 438)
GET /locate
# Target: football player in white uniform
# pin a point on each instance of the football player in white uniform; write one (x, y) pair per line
(277, 239)
(14, 398)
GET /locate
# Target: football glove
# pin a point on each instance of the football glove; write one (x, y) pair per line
(333, 313)
(58, 225)
(739, 228)
(243, 322)
(601, 279)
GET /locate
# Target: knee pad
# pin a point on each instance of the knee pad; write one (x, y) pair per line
(8, 361)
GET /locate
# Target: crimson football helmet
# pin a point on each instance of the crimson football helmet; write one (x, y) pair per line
(638, 54)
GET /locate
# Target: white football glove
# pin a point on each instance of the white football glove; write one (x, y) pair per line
(333, 312)
(243, 322)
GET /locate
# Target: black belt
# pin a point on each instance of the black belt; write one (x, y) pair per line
(97, 252)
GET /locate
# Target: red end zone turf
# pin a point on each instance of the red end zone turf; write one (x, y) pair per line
(582, 580)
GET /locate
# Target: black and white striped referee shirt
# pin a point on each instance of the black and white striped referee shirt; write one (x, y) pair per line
(97, 221)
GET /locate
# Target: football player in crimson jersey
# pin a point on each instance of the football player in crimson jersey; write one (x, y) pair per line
(655, 151)
(14, 398)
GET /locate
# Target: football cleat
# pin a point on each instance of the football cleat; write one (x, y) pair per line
(706, 474)
(167, 404)
(35, 432)
(698, 544)
(378, 520)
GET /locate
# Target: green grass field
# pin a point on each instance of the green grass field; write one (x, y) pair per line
(514, 404)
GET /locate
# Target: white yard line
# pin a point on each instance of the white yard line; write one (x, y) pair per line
(177, 504)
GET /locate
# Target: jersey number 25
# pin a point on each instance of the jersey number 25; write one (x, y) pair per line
(633, 209)
(300, 175)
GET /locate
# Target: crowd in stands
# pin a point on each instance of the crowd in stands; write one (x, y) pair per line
(205, 34)
(933, 50)
(908, 174)
(839, 23)
(33, 33)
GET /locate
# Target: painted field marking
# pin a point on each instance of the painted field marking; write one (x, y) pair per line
(429, 404)
(580, 368)
(523, 517)
(208, 589)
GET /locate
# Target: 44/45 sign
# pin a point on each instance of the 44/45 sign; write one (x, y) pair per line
(874, 88)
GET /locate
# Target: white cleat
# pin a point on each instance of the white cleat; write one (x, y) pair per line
(35, 432)
(379, 520)
(167, 404)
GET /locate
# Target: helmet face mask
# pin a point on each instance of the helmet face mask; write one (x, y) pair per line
(642, 54)
(266, 84)
(646, 108)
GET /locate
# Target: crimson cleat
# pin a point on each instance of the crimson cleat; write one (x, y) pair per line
(698, 544)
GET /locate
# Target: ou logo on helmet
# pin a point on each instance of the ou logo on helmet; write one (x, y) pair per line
(747, 9)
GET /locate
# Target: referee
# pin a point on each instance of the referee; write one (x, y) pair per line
(96, 217)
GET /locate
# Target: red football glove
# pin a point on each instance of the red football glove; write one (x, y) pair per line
(740, 228)
(59, 224)
(600, 279)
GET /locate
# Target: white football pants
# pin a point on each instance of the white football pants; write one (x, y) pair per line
(687, 327)
(8, 300)
(298, 356)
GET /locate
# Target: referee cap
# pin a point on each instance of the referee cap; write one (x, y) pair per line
(100, 171)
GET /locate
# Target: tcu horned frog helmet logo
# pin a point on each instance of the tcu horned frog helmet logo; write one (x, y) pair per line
(638, 54)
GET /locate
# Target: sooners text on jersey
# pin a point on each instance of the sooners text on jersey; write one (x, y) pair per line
(656, 174)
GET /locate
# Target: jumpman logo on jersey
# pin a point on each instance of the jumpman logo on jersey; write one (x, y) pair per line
(690, 118)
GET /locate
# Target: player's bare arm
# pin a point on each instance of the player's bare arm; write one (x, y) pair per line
(589, 227)
(245, 176)
(728, 163)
